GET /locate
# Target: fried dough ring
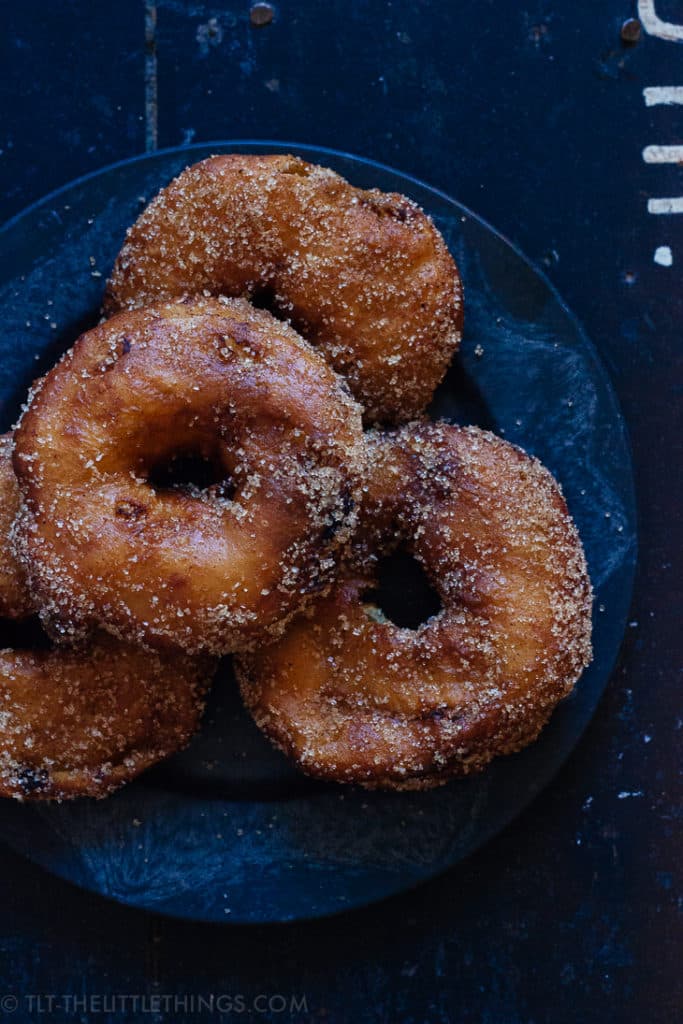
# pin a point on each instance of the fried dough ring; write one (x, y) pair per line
(354, 699)
(82, 723)
(184, 567)
(364, 275)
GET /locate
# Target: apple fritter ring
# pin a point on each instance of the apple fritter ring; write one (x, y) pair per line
(354, 698)
(212, 568)
(83, 722)
(363, 275)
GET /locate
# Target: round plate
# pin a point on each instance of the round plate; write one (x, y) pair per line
(228, 830)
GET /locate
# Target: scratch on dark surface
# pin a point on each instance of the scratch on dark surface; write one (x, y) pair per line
(208, 35)
(151, 105)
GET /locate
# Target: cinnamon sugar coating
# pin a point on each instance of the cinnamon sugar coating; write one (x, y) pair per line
(363, 275)
(354, 698)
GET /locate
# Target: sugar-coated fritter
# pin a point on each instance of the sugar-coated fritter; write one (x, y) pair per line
(204, 569)
(84, 722)
(364, 275)
(354, 698)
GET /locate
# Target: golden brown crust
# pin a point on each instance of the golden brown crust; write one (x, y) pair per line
(193, 569)
(15, 601)
(364, 275)
(354, 699)
(84, 722)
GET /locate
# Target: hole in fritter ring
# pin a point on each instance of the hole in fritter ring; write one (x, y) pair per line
(262, 296)
(191, 472)
(24, 635)
(403, 594)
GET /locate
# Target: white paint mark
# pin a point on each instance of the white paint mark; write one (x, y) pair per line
(663, 154)
(625, 794)
(663, 256)
(656, 26)
(674, 205)
(667, 94)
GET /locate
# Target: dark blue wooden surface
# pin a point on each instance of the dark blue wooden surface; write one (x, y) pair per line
(533, 115)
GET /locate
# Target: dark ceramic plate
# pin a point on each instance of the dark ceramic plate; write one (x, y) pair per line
(228, 830)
